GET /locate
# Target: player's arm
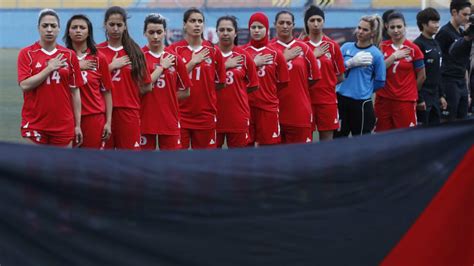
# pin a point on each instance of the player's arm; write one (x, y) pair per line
(183, 94)
(76, 105)
(197, 58)
(380, 73)
(397, 55)
(36, 80)
(220, 69)
(338, 63)
(184, 83)
(252, 76)
(108, 114)
(145, 86)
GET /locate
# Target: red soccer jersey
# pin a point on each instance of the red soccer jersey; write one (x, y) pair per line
(126, 93)
(48, 107)
(295, 102)
(199, 110)
(95, 82)
(160, 109)
(233, 112)
(266, 97)
(401, 75)
(331, 65)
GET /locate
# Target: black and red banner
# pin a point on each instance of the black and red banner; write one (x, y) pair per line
(401, 198)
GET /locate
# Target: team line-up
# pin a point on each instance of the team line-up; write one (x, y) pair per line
(195, 94)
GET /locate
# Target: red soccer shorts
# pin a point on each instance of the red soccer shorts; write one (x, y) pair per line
(392, 114)
(234, 140)
(125, 129)
(165, 142)
(92, 127)
(290, 134)
(199, 138)
(264, 127)
(42, 137)
(326, 117)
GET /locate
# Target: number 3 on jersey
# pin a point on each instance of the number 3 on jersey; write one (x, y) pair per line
(230, 78)
(54, 76)
(261, 71)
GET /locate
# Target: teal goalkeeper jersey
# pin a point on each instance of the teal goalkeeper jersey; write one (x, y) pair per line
(360, 82)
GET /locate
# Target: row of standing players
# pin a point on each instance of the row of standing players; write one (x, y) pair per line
(196, 94)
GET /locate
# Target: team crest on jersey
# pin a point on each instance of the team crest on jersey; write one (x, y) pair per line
(409, 58)
(208, 61)
(328, 55)
(171, 69)
(38, 65)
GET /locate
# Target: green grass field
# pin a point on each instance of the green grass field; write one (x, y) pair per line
(11, 98)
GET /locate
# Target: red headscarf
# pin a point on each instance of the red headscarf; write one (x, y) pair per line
(262, 18)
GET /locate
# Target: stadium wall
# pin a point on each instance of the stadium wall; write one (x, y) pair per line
(18, 26)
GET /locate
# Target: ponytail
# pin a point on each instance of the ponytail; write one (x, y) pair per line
(376, 27)
(130, 46)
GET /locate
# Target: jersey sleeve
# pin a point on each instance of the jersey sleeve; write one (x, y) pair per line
(184, 82)
(220, 66)
(418, 55)
(146, 76)
(106, 79)
(418, 58)
(75, 78)
(282, 72)
(251, 71)
(313, 66)
(338, 60)
(379, 67)
(24, 66)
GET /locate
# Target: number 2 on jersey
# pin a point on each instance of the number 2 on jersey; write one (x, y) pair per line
(116, 76)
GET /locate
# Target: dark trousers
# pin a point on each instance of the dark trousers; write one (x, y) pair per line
(456, 97)
(432, 114)
(357, 116)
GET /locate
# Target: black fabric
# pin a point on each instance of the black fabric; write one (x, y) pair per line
(357, 117)
(432, 58)
(345, 202)
(457, 98)
(432, 114)
(455, 51)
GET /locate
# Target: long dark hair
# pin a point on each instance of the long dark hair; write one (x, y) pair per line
(130, 46)
(90, 38)
(234, 23)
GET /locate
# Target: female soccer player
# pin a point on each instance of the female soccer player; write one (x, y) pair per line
(130, 78)
(272, 73)
(296, 116)
(365, 73)
(50, 77)
(233, 112)
(205, 66)
(395, 105)
(323, 93)
(96, 97)
(160, 110)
